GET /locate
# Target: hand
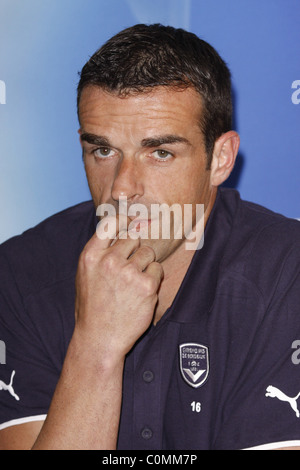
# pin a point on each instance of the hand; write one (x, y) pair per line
(116, 293)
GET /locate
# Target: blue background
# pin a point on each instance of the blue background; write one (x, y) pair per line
(45, 43)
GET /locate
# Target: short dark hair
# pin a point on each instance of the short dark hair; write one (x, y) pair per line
(145, 56)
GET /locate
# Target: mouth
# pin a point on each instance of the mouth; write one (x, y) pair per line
(137, 225)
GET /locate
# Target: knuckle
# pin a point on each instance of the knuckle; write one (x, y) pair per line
(109, 262)
(149, 285)
(157, 270)
(148, 252)
(130, 272)
(88, 257)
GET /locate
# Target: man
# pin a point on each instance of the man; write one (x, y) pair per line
(169, 348)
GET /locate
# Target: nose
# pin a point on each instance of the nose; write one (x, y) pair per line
(127, 182)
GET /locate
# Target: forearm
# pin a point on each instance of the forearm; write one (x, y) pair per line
(116, 294)
(85, 410)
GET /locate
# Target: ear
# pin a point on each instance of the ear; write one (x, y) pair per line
(80, 132)
(224, 156)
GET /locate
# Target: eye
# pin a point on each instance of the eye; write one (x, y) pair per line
(103, 152)
(162, 154)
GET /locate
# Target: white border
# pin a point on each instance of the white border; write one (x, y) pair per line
(16, 422)
(276, 445)
(271, 446)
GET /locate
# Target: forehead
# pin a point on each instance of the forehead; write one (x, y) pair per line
(162, 106)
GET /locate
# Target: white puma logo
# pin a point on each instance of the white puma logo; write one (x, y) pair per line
(9, 387)
(274, 392)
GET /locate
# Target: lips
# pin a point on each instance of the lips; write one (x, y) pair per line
(139, 224)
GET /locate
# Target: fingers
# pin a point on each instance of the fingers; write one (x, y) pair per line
(109, 229)
(142, 257)
(112, 237)
(112, 233)
(156, 272)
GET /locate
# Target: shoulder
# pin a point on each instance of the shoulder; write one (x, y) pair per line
(253, 219)
(50, 250)
(258, 231)
(263, 246)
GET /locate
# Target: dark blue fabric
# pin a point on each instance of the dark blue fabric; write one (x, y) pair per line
(239, 299)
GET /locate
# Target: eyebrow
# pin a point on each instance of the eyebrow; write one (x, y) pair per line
(155, 141)
(93, 139)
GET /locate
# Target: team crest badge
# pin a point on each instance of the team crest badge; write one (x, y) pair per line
(194, 363)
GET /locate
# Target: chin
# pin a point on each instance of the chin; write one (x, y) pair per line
(163, 248)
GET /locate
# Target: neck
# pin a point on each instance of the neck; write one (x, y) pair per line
(175, 268)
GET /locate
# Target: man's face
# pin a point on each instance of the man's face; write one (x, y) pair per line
(146, 149)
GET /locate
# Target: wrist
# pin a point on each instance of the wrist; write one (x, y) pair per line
(94, 354)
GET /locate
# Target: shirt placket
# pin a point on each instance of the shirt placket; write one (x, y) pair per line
(147, 393)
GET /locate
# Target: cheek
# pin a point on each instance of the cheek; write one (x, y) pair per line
(98, 183)
(188, 186)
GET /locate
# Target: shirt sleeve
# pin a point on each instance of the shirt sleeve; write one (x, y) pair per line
(27, 375)
(263, 411)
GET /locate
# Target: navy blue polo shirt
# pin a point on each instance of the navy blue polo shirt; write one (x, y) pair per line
(218, 371)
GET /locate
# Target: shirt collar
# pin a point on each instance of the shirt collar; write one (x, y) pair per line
(197, 291)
